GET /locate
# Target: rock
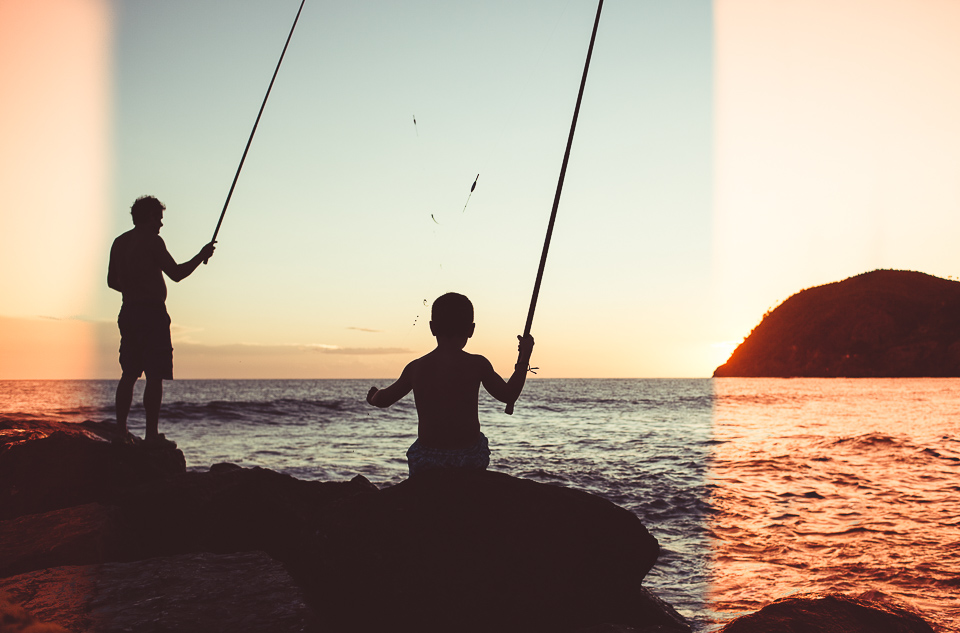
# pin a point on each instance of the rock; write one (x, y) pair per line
(80, 535)
(829, 613)
(622, 628)
(885, 323)
(16, 619)
(237, 593)
(67, 468)
(669, 621)
(230, 509)
(482, 551)
(442, 551)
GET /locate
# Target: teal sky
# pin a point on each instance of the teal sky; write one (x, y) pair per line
(330, 226)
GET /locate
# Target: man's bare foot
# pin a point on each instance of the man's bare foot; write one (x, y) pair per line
(159, 441)
(123, 438)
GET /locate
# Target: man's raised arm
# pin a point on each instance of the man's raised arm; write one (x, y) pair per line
(176, 271)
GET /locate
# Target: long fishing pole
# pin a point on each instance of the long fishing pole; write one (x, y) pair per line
(255, 124)
(556, 197)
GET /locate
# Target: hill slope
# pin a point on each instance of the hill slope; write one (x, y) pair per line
(883, 323)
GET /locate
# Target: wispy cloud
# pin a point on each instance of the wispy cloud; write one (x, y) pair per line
(360, 351)
(362, 329)
(253, 349)
(76, 347)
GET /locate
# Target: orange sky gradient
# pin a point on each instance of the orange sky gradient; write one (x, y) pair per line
(837, 146)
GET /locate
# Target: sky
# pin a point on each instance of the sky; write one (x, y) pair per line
(728, 154)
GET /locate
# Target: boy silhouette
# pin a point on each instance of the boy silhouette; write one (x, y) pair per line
(446, 387)
(138, 261)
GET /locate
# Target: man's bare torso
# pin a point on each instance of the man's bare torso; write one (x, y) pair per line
(135, 270)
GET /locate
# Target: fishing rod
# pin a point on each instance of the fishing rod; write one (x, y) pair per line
(255, 124)
(556, 197)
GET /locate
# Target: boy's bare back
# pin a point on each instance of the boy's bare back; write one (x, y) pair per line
(446, 386)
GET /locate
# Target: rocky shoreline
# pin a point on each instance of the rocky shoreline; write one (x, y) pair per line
(102, 537)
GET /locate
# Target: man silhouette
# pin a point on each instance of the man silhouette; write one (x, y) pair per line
(138, 261)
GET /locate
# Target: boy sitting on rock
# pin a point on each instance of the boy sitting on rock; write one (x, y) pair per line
(446, 387)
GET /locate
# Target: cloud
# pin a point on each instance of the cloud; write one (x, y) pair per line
(254, 349)
(360, 351)
(183, 333)
(363, 329)
(78, 348)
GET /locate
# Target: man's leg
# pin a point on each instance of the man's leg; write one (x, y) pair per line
(152, 397)
(124, 399)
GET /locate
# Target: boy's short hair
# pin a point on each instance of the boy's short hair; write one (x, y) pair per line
(452, 315)
(144, 207)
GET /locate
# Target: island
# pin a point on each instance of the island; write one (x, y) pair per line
(884, 323)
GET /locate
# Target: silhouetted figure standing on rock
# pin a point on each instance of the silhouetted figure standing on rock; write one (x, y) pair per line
(138, 261)
(446, 386)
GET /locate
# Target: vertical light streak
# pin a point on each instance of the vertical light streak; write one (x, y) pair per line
(55, 78)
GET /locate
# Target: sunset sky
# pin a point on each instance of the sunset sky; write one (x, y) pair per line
(728, 155)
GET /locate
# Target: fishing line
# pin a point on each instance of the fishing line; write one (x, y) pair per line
(255, 124)
(512, 110)
(556, 197)
(440, 225)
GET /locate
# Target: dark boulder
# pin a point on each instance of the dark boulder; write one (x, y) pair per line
(15, 619)
(230, 509)
(623, 628)
(72, 467)
(482, 551)
(81, 535)
(442, 551)
(246, 592)
(829, 613)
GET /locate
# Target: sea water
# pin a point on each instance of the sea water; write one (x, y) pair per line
(755, 488)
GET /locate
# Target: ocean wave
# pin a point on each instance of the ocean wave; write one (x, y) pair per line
(72, 414)
(8, 420)
(279, 411)
(938, 455)
(869, 439)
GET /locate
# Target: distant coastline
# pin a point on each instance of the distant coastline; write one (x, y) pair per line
(884, 323)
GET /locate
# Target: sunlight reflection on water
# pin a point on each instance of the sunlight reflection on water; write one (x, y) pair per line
(833, 484)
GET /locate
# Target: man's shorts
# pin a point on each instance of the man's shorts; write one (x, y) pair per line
(421, 458)
(145, 344)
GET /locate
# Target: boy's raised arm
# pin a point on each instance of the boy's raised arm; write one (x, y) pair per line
(510, 390)
(383, 398)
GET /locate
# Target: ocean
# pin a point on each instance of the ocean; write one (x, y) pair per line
(756, 488)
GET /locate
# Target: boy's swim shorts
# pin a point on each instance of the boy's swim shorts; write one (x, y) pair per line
(421, 458)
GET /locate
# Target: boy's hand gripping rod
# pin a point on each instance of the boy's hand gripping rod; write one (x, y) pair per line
(556, 197)
(255, 124)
